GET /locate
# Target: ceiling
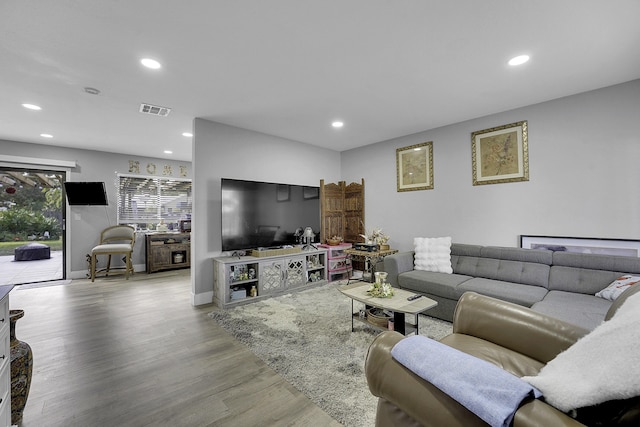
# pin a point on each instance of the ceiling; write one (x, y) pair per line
(290, 67)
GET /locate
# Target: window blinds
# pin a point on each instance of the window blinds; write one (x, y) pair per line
(151, 199)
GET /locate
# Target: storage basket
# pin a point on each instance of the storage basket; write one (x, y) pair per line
(377, 317)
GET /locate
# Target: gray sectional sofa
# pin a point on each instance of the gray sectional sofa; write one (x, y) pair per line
(560, 284)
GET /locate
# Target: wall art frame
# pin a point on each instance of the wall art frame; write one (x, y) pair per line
(585, 245)
(500, 154)
(414, 167)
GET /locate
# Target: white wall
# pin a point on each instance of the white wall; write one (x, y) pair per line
(221, 151)
(584, 159)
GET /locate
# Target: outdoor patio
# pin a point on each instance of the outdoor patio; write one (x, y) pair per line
(22, 272)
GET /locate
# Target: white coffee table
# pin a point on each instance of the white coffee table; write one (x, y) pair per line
(398, 304)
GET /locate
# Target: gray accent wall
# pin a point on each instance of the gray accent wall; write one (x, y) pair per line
(222, 151)
(584, 159)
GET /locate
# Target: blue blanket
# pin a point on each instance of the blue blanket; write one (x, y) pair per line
(488, 391)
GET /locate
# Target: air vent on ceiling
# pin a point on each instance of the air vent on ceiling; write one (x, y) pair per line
(154, 110)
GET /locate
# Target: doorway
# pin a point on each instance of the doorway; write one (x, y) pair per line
(32, 218)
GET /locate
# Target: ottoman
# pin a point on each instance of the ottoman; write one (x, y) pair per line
(32, 252)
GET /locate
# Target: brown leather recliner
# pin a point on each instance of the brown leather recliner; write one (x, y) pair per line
(510, 336)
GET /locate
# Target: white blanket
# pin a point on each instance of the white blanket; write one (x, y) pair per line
(603, 365)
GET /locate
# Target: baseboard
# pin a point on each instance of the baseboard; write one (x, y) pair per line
(84, 274)
(203, 298)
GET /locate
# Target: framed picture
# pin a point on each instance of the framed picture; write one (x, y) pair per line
(584, 245)
(500, 154)
(282, 192)
(310, 193)
(415, 167)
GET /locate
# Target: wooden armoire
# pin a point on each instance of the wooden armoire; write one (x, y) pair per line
(342, 211)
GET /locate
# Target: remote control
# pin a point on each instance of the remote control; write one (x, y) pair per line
(412, 297)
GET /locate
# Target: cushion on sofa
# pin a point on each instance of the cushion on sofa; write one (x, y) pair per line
(580, 280)
(439, 284)
(528, 273)
(585, 310)
(618, 286)
(508, 291)
(433, 254)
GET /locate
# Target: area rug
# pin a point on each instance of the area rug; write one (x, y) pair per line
(306, 337)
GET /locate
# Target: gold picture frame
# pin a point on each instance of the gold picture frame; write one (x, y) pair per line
(414, 165)
(500, 154)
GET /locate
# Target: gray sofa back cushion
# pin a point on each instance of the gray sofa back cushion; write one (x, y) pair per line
(588, 273)
(518, 254)
(597, 262)
(507, 264)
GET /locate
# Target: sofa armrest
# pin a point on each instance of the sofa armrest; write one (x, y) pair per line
(425, 403)
(515, 327)
(396, 264)
(391, 381)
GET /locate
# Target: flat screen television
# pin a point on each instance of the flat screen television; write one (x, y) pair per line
(86, 193)
(263, 214)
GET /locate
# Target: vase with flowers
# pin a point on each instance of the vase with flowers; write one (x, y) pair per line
(376, 237)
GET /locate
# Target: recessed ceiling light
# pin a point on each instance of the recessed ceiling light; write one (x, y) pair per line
(92, 90)
(32, 106)
(46, 135)
(168, 152)
(337, 124)
(519, 60)
(187, 134)
(150, 63)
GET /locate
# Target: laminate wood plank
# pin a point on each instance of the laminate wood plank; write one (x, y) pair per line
(136, 353)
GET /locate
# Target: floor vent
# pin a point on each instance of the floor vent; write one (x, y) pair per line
(154, 110)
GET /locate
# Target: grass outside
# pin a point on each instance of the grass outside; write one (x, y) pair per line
(6, 248)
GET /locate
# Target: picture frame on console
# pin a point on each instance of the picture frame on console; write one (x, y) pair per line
(500, 154)
(414, 165)
(585, 245)
(310, 193)
(283, 193)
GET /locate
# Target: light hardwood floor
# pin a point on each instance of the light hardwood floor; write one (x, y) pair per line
(136, 353)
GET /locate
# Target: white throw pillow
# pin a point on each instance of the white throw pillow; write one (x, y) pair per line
(601, 366)
(433, 254)
(618, 286)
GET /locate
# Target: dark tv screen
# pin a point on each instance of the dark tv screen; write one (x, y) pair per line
(263, 214)
(86, 193)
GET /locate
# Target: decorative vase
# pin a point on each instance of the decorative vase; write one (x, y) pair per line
(21, 369)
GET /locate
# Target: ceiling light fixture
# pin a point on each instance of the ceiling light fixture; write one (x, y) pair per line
(337, 124)
(32, 107)
(168, 152)
(187, 134)
(518, 60)
(150, 63)
(92, 90)
(46, 135)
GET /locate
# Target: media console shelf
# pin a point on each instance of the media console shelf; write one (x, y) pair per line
(167, 251)
(236, 279)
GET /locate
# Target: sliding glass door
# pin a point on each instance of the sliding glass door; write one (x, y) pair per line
(32, 218)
